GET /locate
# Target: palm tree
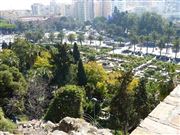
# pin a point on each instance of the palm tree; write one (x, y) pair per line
(134, 41)
(169, 32)
(61, 36)
(141, 40)
(161, 45)
(100, 39)
(51, 37)
(81, 38)
(166, 41)
(71, 38)
(90, 37)
(120, 40)
(147, 38)
(176, 46)
(154, 37)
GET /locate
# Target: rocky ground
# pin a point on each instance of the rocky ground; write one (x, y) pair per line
(67, 126)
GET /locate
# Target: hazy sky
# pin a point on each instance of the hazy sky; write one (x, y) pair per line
(24, 4)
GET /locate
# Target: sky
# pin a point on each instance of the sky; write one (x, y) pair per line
(24, 4)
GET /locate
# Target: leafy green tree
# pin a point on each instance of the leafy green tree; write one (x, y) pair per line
(28, 36)
(34, 36)
(169, 32)
(71, 38)
(121, 107)
(99, 23)
(76, 53)
(96, 79)
(165, 39)
(13, 89)
(6, 124)
(161, 45)
(134, 41)
(152, 89)
(81, 38)
(147, 39)
(91, 37)
(100, 39)
(81, 75)
(150, 22)
(166, 88)
(51, 37)
(141, 40)
(26, 52)
(154, 37)
(68, 101)
(176, 46)
(120, 40)
(8, 57)
(61, 36)
(141, 100)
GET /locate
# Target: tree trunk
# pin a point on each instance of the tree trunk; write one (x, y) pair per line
(176, 53)
(81, 43)
(153, 48)
(160, 51)
(141, 47)
(61, 40)
(125, 129)
(147, 49)
(113, 49)
(167, 48)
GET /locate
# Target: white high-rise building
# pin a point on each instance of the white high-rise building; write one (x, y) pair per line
(89, 7)
(84, 10)
(37, 9)
(79, 10)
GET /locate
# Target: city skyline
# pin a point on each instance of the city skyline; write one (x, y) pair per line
(25, 4)
(87, 10)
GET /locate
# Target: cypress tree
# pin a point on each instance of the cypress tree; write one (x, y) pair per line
(63, 62)
(76, 53)
(81, 75)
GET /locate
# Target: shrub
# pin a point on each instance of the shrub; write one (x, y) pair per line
(13, 87)
(68, 101)
(6, 124)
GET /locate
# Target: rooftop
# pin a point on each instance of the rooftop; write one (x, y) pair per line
(164, 119)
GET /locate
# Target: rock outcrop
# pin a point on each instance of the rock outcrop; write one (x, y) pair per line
(67, 126)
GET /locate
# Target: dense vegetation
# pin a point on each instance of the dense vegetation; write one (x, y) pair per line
(6, 27)
(53, 80)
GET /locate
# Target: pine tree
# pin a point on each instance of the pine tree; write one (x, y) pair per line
(121, 108)
(141, 100)
(81, 75)
(76, 53)
(63, 62)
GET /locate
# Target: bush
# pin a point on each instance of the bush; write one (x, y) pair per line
(6, 124)
(13, 88)
(68, 101)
